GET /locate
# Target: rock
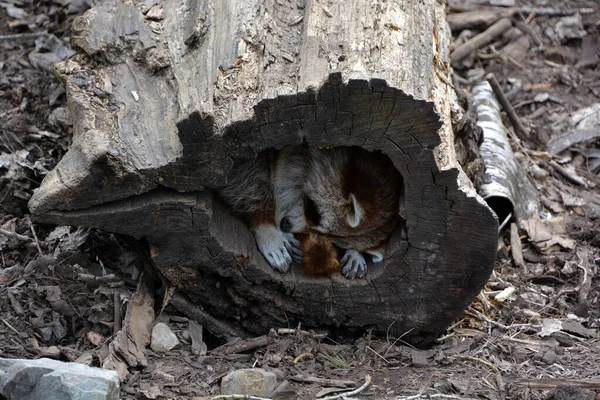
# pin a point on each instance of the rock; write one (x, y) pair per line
(163, 338)
(198, 345)
(549, 357)
(250, 382)
(37, 379)
(570, 28)
(155, 13)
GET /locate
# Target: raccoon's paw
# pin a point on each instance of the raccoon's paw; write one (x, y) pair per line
(293, 246)
(273, 245)
(353, 264)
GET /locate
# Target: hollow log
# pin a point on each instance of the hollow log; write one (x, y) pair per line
(166, 101)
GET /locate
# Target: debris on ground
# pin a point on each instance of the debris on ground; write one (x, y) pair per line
(91, 298)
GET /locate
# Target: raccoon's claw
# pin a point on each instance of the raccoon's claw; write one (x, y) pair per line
(353, 265)
(293, 246)
(273, 245)
(279, 261)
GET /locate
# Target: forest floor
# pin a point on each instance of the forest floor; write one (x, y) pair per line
(532, 329)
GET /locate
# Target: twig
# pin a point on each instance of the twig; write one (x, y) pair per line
(89, 278)
(503, 224)
(27, 35)
(10, 326)
(37, 242)
(15, 235)
(237, 345)
(398, 339)
(568, 175)
(544, 384)
(516, 249)
(489, 364)
(117, 313)
(238, 397)
(477, 314)
(525, 28)
(323, 382)
(586, 284)
(508, 108)
(480, 40)
(290, 331)
(377, 354)
(352, 393)
(553, 12)
(301, 356)
(433, 396)
(570, 290)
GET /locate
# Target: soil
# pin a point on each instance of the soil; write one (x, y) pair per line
(532, 329)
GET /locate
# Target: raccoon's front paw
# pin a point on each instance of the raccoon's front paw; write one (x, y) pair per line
(353, 265)
(273, 245)
(293, 246)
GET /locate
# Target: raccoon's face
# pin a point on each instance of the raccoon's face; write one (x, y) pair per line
(328, 213)
(337, 216)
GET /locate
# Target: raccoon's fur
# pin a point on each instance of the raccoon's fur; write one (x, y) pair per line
(346, 195)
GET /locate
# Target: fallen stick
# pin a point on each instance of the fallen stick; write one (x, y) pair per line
(480, 40)
(352, 393)
(553, 12)
(27, 35)
(323, 382)
(433, 396)
(516, 249)
(525, 28)
(15, 235)
(508, 108)
(238, 397)
(242, 345)
(478, 19)
(568, 175)
(544, 384)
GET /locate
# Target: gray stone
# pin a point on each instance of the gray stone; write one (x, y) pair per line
(38, 379)
(163, 338)
(549, 357)
(250, 382)
(569, 28)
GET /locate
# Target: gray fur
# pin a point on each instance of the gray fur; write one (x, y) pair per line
(288, 184)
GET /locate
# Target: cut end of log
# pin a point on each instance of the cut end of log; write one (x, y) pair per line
(435, 262)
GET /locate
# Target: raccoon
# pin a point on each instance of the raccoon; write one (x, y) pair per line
(346, 196)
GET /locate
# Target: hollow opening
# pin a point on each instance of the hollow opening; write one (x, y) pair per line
(502, 206)
(328, 209)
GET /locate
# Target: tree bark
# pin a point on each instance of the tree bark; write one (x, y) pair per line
(165, 104)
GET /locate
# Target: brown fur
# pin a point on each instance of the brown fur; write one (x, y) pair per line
(320, 257)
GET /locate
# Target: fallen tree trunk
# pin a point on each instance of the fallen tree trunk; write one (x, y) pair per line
(166, 101)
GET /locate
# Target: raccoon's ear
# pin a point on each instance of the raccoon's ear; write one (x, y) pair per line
(355, 212)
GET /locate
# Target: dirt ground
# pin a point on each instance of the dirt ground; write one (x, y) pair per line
(533, 328)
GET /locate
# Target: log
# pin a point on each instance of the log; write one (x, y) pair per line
(166, 101)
